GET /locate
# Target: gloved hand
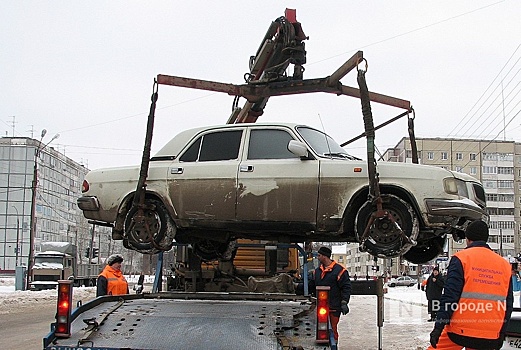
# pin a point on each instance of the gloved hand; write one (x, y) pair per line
(435, 336)
(344, 307)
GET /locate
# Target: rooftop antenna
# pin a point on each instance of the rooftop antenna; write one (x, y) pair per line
(325, 136)
(13, 123)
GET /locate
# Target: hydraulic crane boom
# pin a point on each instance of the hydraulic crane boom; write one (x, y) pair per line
(282, 45)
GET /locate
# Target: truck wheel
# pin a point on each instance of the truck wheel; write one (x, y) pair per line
(151, 233)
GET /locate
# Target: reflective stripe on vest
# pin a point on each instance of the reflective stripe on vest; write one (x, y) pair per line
(116, 285)
(480, 312)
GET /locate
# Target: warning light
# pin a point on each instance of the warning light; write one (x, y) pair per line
(63, 312)
(322, 335)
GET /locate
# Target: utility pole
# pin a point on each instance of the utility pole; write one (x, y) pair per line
(17, 234)
(34, 184)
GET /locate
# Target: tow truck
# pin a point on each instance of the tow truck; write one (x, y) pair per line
(201, 315)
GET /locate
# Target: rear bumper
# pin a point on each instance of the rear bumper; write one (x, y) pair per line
(88, 203)
(445, 210)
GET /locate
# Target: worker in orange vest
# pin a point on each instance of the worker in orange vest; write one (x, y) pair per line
(111, 280)
(477, 298)
(334, 275)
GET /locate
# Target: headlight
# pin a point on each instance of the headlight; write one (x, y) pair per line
(455, 186)
(450, 185)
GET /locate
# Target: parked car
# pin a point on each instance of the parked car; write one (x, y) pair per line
(277, 181)
(402, 281)
(513, 333)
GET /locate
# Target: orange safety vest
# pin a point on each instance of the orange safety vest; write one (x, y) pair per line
(480, 312)
(116, 282)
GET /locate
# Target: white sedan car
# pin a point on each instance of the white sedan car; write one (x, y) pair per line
(277, 181)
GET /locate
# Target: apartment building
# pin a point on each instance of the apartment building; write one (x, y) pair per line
(56, 215)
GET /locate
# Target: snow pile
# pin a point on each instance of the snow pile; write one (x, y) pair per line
(48, 265)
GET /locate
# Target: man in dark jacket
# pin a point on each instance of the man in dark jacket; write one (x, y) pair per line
(477, 299)
(331, 274)
(433, 290)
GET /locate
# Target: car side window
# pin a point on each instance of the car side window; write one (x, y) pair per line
(269, 144)
(192, 152)
(222, 145)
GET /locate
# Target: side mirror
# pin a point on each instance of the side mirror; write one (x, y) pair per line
(298, 148)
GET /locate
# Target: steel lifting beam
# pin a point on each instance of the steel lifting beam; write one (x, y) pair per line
(256, 92)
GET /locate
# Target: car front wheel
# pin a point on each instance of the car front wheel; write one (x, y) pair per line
(390, 235)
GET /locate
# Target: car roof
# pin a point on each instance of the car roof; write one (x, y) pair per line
(175, 145)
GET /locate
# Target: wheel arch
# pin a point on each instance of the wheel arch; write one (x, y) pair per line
(126, 204)
(360, 197)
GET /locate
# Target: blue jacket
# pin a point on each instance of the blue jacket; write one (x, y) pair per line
(338, 280)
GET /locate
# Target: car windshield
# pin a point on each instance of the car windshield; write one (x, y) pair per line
(322, 144)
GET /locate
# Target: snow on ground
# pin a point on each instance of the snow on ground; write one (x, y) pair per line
(11, 298)
(8, 295)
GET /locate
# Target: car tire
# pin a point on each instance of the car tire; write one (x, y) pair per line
(425, 251)
(384, 239)
(209, 250)
(159, 223)
(392, 285)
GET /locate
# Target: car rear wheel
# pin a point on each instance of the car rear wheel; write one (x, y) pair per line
(209, 250)
(151, 232)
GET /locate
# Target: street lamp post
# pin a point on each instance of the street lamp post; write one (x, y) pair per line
(17, 234)
(34, 185)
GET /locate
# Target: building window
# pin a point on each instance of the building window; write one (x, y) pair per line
(489, 184)
(430, 156)
(505, 170)
(459, 169)
(489, 170)
(444, 156)
(473, 156)
(505, 184)
(473, 170)
(459, 156)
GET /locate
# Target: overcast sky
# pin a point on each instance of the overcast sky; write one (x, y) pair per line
(85, 69)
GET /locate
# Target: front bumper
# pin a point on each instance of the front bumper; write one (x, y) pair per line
(88, 203)
(446, 210)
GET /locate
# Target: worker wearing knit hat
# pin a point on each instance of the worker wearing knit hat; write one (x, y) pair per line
(335, 276)
(111, 280)
(325, 251)
(114, 258)
(477, 231)
(479, 287)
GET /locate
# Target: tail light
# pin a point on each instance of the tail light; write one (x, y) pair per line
(63, 313)
(322, 314)
(84, 186)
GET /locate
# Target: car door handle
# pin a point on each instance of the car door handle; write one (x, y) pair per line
(246, 168)
(176, 170)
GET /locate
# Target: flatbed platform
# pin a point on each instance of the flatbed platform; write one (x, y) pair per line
(196, 321)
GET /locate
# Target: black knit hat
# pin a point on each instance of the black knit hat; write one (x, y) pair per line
(477, 231)
(325, 251)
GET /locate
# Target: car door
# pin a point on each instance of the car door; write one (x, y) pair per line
(203, 181)
(276, 189)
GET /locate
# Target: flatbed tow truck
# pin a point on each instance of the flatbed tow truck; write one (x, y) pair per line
(199, 319)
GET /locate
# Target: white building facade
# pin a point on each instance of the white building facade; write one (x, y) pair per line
(57, 217)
